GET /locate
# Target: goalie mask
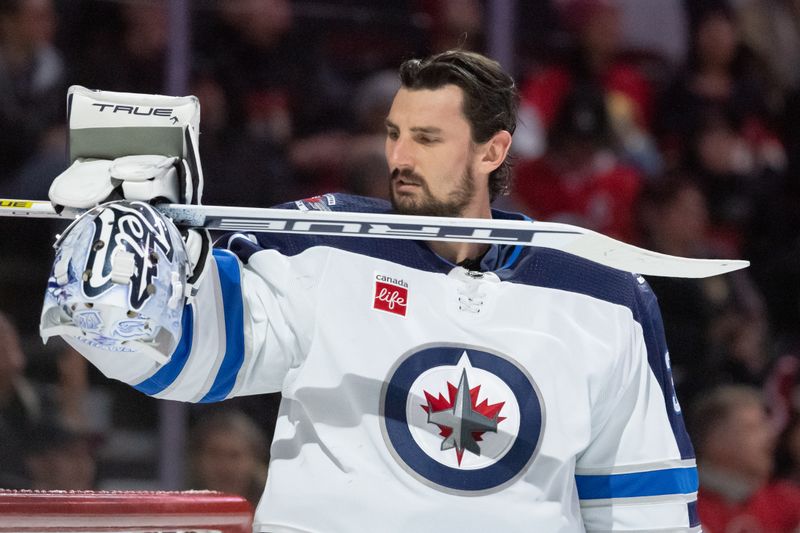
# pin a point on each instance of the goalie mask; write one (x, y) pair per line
(118, 281)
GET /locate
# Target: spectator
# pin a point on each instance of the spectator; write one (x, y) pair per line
(229, 453)
(774, 243)
(455, 24)
(735, 442)
(72, 394)
(59, 458)
(745, 353)
(365, 168)
(788, 455)
(20, 406)
(593, 61)
(32, 140)
(31, 410)
(707, 320)
(658, 28)
(715, 118)
(771, 29)
(720, 76)
(285, 107)
(674, 220)
(32, 85)
(735, 182)
(126, 53)
(581, 180)
(365, 162)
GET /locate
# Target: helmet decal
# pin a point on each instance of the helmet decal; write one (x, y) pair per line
(119, 275)
(136, 229)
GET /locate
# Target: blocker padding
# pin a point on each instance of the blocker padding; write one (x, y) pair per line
(133, 512)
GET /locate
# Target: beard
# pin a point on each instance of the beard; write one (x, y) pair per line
(424, 203)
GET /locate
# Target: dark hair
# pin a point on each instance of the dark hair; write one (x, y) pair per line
(743, 61)
(10, 7)
(786, 464)
(239, 425)
(714, 409)
(668, 188)
(230, 422)
(490, 97)
(583, 115)
(52, 434)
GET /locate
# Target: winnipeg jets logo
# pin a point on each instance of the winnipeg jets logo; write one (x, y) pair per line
(136, 229)
(461, 419)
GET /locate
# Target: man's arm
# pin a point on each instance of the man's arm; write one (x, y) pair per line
(147, 305)
(240, 342)
(125, 304)
(639, 472)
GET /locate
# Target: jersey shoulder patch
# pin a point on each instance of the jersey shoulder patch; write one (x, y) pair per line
(339, 202)
(289, 245)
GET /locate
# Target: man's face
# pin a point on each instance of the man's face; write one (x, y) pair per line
(12, 359)
(69, 467)
(226, 463)
(431, 156)
(751, 452)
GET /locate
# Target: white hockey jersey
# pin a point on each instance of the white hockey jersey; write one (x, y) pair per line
(534, 395)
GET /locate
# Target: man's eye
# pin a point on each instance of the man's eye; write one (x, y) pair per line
(425, 140)
(392, 135)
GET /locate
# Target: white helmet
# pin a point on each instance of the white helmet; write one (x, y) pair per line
(118, 281)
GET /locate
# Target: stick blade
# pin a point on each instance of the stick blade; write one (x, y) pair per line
(616, 254)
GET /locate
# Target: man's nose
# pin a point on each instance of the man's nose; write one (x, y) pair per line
(399, 155)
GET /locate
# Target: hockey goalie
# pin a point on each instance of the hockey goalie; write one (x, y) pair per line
(430, 386)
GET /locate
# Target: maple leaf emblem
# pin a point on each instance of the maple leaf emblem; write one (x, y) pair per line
(461, 420)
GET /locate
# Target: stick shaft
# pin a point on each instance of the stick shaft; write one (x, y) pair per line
(572, 239)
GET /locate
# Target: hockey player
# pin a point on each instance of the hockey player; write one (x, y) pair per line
(454, 386)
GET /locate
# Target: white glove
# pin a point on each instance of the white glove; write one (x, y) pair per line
(86, 184)
(130, 146)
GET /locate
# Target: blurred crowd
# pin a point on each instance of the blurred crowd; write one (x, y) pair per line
(670, 124)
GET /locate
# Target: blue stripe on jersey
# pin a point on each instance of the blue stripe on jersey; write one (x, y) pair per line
(638, 484)
(694, 517)
(167, 374)
(230, 283)
(515, 252)
(512, 258)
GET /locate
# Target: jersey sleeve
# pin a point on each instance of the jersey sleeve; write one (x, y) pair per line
(247, 327)
(638, 472)
(251, 322)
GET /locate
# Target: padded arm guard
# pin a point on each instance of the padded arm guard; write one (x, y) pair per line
(131, 146)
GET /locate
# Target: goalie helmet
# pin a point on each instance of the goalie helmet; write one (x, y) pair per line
(118, 281)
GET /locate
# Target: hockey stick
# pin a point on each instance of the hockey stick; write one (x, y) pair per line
(571, 239)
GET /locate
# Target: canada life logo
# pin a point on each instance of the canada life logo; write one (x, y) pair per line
(391, 295)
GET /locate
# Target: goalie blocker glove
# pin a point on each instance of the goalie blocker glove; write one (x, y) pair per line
(130, 146)
(120, 280)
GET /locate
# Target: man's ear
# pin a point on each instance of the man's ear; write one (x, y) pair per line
(494, 151)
